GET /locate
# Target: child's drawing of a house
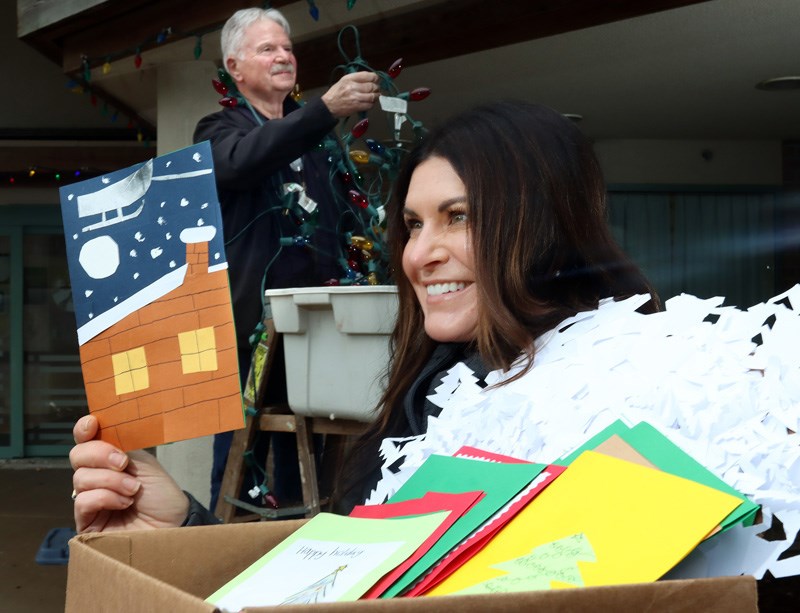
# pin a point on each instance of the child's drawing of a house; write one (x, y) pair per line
(150, 283)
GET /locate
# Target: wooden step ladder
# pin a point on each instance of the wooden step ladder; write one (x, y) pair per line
(277, 417)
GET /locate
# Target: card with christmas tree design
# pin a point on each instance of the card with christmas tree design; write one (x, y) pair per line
(604, 521)
(328, 559)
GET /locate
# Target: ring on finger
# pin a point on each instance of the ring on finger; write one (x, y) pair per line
(74, 495)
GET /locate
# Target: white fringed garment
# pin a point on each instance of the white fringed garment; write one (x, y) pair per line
(729, 402)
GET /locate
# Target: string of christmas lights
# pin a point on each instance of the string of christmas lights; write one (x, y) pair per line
(162, 36)
(366, 166)
(81, 83)
(369, 167)
(43, 176)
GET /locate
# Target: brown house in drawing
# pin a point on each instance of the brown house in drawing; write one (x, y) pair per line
(168, 371)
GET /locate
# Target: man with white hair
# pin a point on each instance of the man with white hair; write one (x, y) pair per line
(259, 147)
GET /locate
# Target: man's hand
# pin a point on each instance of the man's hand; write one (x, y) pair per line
(353, 93)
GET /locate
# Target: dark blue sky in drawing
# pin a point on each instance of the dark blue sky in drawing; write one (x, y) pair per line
(149, 245)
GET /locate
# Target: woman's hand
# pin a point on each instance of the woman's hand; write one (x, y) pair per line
(118, 491)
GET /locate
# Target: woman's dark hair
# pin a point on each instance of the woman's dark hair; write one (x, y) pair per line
(537, 211)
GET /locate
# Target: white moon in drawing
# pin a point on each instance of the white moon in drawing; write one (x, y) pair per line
(99, 257)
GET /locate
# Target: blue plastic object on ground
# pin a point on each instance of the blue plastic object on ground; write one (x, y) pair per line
(55, 549)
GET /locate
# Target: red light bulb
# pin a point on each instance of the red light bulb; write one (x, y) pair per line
(358, 198)
(219, 87)
(228, 102)
(419, 94)
(396, 68)
(358, 130)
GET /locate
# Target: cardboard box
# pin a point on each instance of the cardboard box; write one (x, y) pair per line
(336, 346)
(176, 569)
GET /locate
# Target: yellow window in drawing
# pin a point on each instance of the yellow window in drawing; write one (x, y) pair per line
(198, 350)
(130, 371)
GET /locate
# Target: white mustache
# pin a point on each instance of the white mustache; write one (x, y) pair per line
(281, 68)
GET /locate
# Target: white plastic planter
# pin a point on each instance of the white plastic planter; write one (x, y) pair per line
(336, 345)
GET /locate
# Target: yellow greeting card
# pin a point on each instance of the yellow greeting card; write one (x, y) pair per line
(603, 521)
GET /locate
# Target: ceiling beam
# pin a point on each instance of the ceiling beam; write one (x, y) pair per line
(35, 15)
(117, 28)
(451, 29)
(46, 24)
(144, 129)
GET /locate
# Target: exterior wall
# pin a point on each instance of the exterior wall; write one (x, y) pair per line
(185, 95)
(21, 196)
(674, 162)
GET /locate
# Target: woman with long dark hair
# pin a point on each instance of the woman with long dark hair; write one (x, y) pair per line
(499, 226)
(498, 231)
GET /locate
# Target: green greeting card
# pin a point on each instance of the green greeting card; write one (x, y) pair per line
(667, 456)
(501, 482)
(329, 559)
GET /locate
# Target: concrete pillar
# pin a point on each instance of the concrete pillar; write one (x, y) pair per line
(185, 95)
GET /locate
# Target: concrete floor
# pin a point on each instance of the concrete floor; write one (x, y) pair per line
(35, 499)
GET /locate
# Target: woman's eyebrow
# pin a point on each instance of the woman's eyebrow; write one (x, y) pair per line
(443, 206)
(446, 204)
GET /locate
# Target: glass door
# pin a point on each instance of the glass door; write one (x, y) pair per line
(53, 391)
(41, 385)
(705, 243)
(11, 438)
